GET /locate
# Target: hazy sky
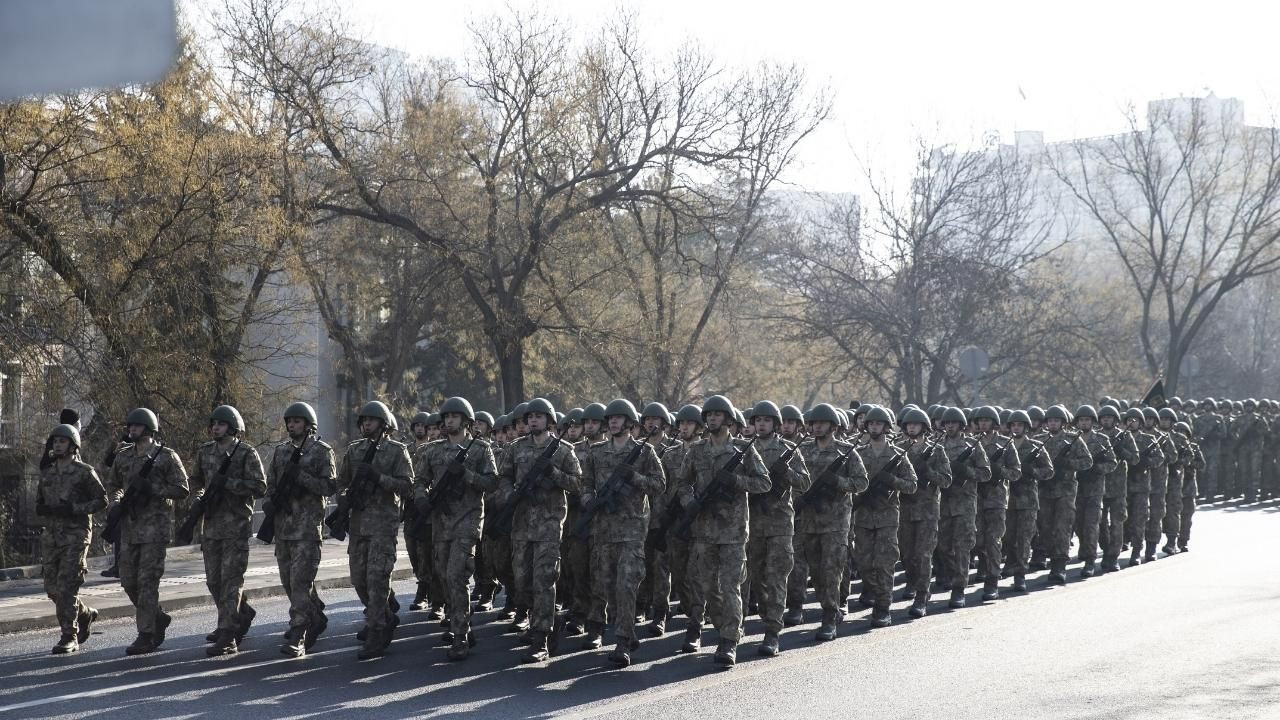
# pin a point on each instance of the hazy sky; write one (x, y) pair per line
(902, 69)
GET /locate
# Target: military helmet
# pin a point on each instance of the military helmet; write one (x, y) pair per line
(656, 409)
(1124, 404)
(739, 418)
(1168, 414)
(503, 422)
(1106, 400)
(1150, 413)
(935, 412)
(539, 405)
(302, 410)
(1036, 413)
(1183, 428)
(1057, 412)
(376, 409)
(1237, 406)
(422, 418)
(914, 415)
(623, 407)
(764, 408)
(863, 409)
(824, 411)
(954, 414)
(559, 418)
(228, 415)
(484, 417)
(988, 412)
(692, 413)
(67, 431)
(1189, 405)
(1087, 411)
(1175, 400)
(880, 414)
(1109, 411)
(1250, 404)
(518, 412)
(1133, 414)
(791, 412)
(717, 403)
(457, 405)
(1021, 416)
(593, 411)
(1210, 403)
(1004, 416)
(144, 417)
(574, 416)
(432, 419)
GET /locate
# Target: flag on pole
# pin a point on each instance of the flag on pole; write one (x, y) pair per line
(1155, 394)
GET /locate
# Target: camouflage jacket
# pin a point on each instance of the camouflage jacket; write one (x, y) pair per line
(879, 508)
(1070, 455)
(1191, 474)
(540, 516)
(931, 476)
(961, 498)
(1037, 467)
(1211, 429)
(994, 495)
(1248, 432)
(1159, 476)
(150, 521)
(1150, 456)
(1125, 449)
(834, 512)
(376, 512)
(460, 515)
(302, 516)
(230, 516)
(415, 526)
(723, 520)
(1092, 483)
(671, 456)
(1177, 470)
(772, 514)
(647, 479)
(76, 484)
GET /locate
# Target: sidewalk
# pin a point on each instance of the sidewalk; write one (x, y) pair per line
(24, 606)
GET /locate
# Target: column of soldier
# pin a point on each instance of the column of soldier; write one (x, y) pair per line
(607, 514)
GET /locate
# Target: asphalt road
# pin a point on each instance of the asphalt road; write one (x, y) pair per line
(1190, 636)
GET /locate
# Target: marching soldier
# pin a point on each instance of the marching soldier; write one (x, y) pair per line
(1249, 432)
(1024, 498)
(958, 524)
(1150, 456)
(918, 516)
(68, 495)
(574, 586)
(1091, 486)
(454, 472)
(495, 546)
(302, 475)
(226, 478)
(417, 529)
(1159, 485)
(1190, 488)
(993, 498)
(155, 475)
(671, 564)
(1177, 478)
(1057, 513)
(876, 518)
(1111, 521)
(653, 428)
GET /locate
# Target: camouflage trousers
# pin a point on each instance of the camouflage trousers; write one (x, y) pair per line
(1211, 476)
(824, 557)
(372, 559)
(496, 567)
(676, 559)
(141, 567)
(1172, 515)
(715, 577)
(657, 576)
(1054, 525)
(298, 561)
(455, 566)
(617, 568)
(1270, 474)
(225, 561)
(917, 539)
(1088, 522)
(991, 530)
(1249, 471)
(575, 576)
(769, 565)
(1020, 528)
(1111, 522)
(957, 535)
(62, 570)
(1184, 527)
(1135, 524)
(422, 559)
(877, 551)
(1155, 519)
(535, 567)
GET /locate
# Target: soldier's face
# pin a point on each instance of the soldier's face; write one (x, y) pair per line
(591, 427)
(1166, 424)
(371, 426)
(617, 425)
(1085, 424)
(1131, 423)
(715, 420)
(1108, 422)
(296, 427)
(61, 447)
(482, 428)
(433, 432)
(985, 425)
(218, 429)
(790, 427)
(914, 429)
(573, 433)
(951, 428)
(135, 432)
(536, 423)
(688, 430)
(453, 422)
(521, 426)
(877, 428)
(652, 425)
(420, 431)
(1018, 428)
(764, 425)
(1054, 424)
(821, 428)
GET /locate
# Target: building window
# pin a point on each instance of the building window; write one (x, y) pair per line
(10, 403)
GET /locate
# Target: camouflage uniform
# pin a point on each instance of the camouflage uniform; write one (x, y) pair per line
(1159, 486)
(1152, 456)
(1024, 503)
(993, 504)
(1115, 492)
(418, 541)
(298, 526)
(538, 524)
(1057, 511)
(227, 522)
(575, 552)
(375, 522)
(148, 529)
(717, 563)
(495, 548)
(770, 552)
(822, 526)
(669, 566)
(1173, 491)
(1090, 489)
(1213, 433)
(64, 544)
(1190, 490)
(618, 535)
(919, 512)
(1271, 459)
(957, 524)
(456, 519)
(876, 522)
(1249, 432)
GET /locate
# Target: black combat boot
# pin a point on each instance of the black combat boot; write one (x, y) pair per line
(621, 655)
(1019, 583)
(85, 620)
(225, 644)
(145, 643)
(768, 646)
(919, 606)
(519, 623)
(1037, 564)
(908, 593)
(881, 617)
(727, 653)
(1088, 570)
(295, 642)
(244, 620)
(538, 651)
(374, 646)
(1058, 575)
(163, 620)
(573, 625)
(957, 598)
(793, 616)
(692, 639)
(316, 628)
(419, 598)
(66, 644)
(658, 627)
(990, 590)
(594, 637)
(827, 630)
(1169, 546)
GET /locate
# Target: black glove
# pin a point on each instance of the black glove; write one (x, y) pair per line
(455, 467)
(779, 469)
(541, 464)
(362, 472)
(547, 481)
(218, 484)
(728, 479)
(422, 505)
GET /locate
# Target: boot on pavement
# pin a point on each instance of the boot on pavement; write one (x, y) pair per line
(66, 644)
(957, 598)
(244, 620)
(727, 653)
(827, 630)
(919, 606)
(520, 622)
(793, 617)
(295, 642)
(594, 636)
(162, 624)
(538, 651)
(768, 646)
(419, 598)
(85, 620)
(881, 617)
(621, 655)
(990, 590)
(1020, 583)
(225, 644)
(1058, 575)
(145, 643)
(692, 639)
(658, 627)
(374, 646)
(1088, 570)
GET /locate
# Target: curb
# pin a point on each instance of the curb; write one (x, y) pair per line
(126, 610)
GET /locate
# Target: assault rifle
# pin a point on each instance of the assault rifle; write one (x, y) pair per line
(278, 501)
(616, 486)
(217, 486)
(712, 492)
(502, 521)
(138, 492)
(826, 480)
(880, 481)
(353, 498)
